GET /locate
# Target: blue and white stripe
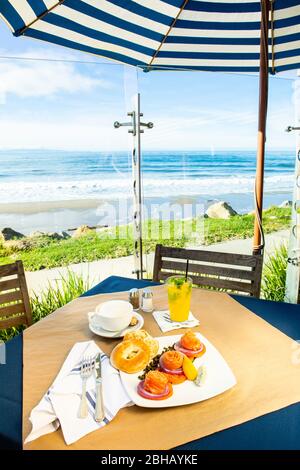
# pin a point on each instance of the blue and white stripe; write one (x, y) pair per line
(217, 35)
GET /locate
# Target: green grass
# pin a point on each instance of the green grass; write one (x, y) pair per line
(47, 253)
(274, 275)
(274, 219)
(55, 296)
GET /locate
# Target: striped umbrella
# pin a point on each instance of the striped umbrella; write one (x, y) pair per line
(212, 35)
(215, 35)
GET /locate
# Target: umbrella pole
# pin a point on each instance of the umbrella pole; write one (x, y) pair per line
(258, 242)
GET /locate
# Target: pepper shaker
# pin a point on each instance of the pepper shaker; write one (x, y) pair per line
(134, 298)
(147, 300)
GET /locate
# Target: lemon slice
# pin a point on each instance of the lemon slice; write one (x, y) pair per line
(189, 369)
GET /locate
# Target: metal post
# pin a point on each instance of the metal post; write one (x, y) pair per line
(293, 268)
(137, 191)
(262, 119)
(136, 132)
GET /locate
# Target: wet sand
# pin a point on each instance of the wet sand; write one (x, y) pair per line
(43, 206)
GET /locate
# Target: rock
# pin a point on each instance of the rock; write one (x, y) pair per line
(81, 231)
(286, 203)
(220, 210)
(8, 233)
(54, 235)
(37, 234)
(65, 235)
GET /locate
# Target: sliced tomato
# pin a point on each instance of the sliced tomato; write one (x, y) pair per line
(152, 396)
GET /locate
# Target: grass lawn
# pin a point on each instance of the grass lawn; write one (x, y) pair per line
(45, 253)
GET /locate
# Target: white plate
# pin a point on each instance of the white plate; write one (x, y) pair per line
(117, 334)
(219, 378)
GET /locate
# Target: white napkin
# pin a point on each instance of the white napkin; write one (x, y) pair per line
(162, 318)
(60, 405)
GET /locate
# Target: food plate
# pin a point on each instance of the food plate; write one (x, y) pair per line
(219, 378)
(97, 330)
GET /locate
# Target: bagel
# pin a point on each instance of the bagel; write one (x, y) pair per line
(130, 356)
(143, 335)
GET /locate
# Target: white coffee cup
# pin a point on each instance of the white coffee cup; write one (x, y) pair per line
(114, 315)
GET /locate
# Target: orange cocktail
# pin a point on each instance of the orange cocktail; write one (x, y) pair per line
(179, 296)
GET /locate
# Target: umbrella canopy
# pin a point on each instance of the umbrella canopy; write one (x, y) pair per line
(206, 35)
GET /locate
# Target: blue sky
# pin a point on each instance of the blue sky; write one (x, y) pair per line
(67, 105)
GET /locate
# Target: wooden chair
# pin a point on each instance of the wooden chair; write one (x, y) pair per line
(225, 271)
(14, 299)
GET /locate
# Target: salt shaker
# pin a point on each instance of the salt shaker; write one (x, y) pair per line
(134, 298)
(147, 300)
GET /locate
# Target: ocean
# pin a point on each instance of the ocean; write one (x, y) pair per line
(40, 176)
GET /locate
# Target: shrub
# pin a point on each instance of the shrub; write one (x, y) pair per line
(274, 275)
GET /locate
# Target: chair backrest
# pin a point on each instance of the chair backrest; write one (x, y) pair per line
(14, 300)
(226, 271)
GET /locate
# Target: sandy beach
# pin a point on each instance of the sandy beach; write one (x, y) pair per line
(62, 215)
(37, 207)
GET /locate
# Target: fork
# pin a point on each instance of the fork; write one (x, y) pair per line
(167, 319)
(86, 370)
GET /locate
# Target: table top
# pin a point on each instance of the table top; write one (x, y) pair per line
(277, 430)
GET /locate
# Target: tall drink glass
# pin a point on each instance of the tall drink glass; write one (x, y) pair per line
(179, 297)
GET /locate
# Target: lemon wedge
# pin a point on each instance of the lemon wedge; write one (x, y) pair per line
(189, 369)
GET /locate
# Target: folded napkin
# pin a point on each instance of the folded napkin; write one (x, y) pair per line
(162, 318)
(60, 405)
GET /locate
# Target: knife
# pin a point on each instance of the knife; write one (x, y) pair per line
(99, 411)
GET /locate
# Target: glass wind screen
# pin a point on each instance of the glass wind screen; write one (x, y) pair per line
(199, 160)
(63, 166)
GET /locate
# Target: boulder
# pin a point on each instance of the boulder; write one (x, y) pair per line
(8, 233)
(37, 234)
(286, 203)
(65, 235)
(81, 231)
(220, 210)
(54, 235)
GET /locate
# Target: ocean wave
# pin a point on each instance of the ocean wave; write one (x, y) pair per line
(114, 188)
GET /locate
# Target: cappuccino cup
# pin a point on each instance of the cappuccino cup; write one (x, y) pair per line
(114, 315)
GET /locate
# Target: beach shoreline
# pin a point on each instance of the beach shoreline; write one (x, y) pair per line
(62, 215)
(35, 207)
(52, 191)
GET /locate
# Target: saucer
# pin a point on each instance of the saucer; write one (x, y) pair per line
(118, 334)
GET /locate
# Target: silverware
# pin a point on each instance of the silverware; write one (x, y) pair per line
(168, 320)
(86, 370)
(99, 411)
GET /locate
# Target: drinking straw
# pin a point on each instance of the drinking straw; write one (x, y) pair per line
(186, 269)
